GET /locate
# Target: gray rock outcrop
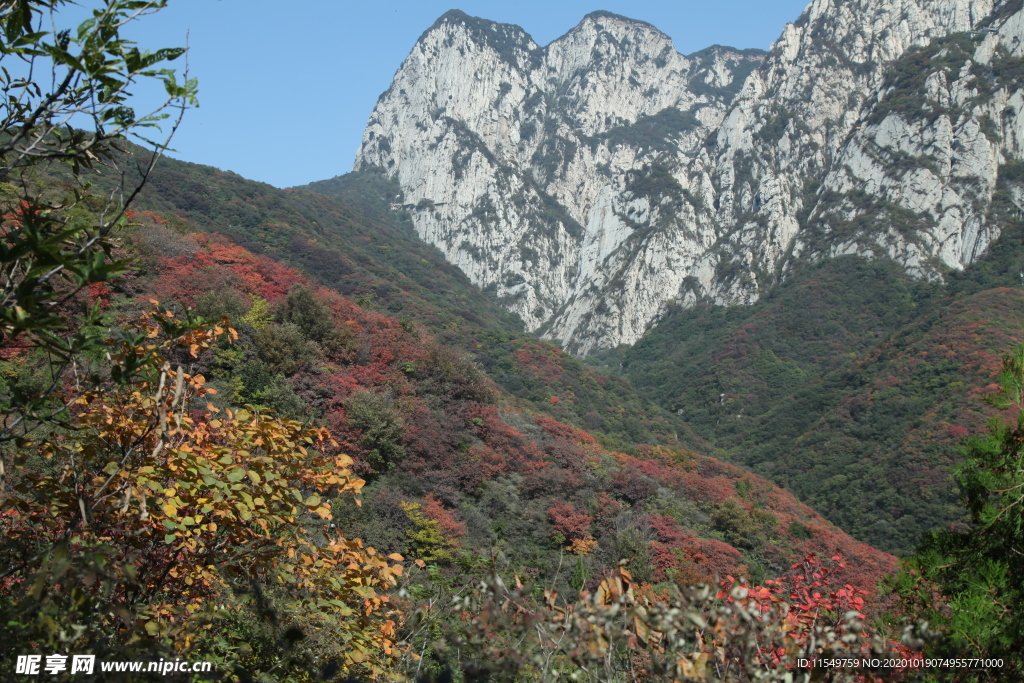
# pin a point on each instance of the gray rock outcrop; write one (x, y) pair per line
(594, 181)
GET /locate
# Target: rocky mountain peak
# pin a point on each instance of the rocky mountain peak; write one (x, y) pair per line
(592, 182)
(602, 15)
(480, 30)
(614, 28)
(468, 35)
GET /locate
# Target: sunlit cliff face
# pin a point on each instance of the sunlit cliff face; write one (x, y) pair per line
(591, 182)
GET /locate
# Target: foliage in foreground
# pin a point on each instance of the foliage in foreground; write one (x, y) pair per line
(135, 520)
(968, 581)
(151, 523)
(624, 631)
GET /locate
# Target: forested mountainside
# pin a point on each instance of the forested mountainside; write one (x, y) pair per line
(461, 476)
(596, 182)
(354, 243)
(851, 385)
(244, 545)
(758, 384)
(425, 425)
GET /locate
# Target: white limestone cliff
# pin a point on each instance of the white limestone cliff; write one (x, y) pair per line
(593, 182)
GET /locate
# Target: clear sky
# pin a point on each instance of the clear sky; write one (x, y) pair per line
(286, 88)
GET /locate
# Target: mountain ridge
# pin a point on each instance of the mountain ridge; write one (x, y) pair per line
(756, 155)
(526, 131)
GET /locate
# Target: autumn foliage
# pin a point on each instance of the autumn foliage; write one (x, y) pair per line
(163, 505)
(740, 633)
(196, 478)
(225, 510)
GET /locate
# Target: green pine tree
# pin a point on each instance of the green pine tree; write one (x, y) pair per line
(969, 582)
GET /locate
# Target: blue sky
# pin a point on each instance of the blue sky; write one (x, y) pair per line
(285, 93)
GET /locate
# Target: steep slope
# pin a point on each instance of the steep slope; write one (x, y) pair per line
(596, 181)
(877, 458)
(851, 384)
(426, 427)
(718, 366)
(356, 244)
(519, 161)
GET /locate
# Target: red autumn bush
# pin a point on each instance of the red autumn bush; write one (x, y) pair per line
(570, 522)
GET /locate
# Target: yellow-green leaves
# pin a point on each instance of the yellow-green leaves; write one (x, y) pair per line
(185, 500)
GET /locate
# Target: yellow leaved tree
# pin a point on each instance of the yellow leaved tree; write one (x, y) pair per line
(151, 520)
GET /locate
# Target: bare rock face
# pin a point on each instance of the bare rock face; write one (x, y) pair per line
(592, 182)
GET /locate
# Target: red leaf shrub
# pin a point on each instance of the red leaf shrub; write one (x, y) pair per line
(570, 522)
(450, 525)
(715, 490)
(560, 430)
(631, 486)
(550, 480)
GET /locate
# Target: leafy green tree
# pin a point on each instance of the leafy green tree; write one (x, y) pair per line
(119, 492)
(283, 348)
(302, 309)
(970, 581)
(426, 540)
(55, 243)
(155, 527)
(93, 70)
(381, 425)
(735, 523)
